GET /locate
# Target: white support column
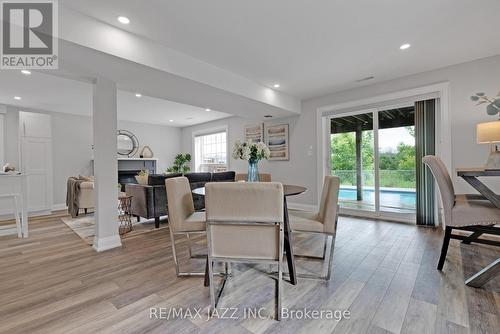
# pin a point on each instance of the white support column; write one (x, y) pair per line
(105, 165)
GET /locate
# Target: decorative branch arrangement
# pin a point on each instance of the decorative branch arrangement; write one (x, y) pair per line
(493, 107)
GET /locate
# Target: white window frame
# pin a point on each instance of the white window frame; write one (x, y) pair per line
(443, 127)
(206, 132)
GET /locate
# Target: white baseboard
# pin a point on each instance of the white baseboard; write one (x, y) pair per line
(8, 215)
(60, 206)
(301, 206)
(103, 244)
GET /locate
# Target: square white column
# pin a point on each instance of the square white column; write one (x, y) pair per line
(104, 119)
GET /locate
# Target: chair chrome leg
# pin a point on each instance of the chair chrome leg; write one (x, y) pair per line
(324, 247)
(329, 264)
(176, 261)
(313, 257)
(211, 286)
(174, 253)
(280, 273)
(330, 259)
(189, 245)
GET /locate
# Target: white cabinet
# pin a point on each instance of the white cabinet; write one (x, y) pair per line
(36, 158)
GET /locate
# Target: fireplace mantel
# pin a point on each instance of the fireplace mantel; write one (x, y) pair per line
(135, 164)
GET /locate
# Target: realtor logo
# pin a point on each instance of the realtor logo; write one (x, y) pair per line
(28, 34)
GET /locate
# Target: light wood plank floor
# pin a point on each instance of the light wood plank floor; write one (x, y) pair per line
(384, 274)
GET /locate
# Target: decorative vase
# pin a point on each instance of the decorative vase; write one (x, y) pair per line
(142, 179)
(253, 171)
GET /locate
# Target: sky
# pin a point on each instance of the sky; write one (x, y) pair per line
(389, 139)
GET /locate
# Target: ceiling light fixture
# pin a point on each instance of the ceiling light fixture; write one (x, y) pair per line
(208, 109)
(405, 46)
(17, 97)
(123, 19)
(276, 85)
(25, 72)
(138, 95)
(268, 116)
(170, 120)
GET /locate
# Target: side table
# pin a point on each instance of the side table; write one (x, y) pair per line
(124, 216)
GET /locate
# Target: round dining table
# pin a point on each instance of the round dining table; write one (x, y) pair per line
(288, 190)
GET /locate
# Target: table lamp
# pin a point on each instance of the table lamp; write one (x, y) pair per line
(489, 133)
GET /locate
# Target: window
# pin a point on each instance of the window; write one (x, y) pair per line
(210, 152)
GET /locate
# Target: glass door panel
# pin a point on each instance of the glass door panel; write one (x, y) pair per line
(352, 159)
(396, 156)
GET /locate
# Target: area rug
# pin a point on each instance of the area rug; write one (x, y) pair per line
(84, 227)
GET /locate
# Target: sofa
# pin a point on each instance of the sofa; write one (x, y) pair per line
(150, 201)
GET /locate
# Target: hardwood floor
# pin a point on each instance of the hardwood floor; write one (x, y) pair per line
(384, 274)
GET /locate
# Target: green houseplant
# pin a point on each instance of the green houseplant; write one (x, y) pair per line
(181, 164)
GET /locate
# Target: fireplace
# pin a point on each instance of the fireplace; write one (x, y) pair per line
(127, 176)
(128, 168)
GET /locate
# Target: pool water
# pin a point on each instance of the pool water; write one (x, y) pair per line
(394, 198)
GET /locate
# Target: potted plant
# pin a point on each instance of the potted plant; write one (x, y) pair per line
(181, 164)
(142, 177)
(253, 153)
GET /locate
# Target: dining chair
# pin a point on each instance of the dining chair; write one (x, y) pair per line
(244, 225)
(472, 213)
(323, 222)
(182, 218)
(263, 177)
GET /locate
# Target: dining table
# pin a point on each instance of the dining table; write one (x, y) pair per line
(288, 191)
(471, 176)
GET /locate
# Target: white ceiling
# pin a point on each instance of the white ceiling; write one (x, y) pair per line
(313, 47)
(46, 92)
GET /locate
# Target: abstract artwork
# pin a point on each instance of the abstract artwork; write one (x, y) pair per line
(254, 133)
(277, 141)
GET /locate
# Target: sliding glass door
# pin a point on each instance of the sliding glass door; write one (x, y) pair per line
(352, 160)
(396, 146)
(373, 153)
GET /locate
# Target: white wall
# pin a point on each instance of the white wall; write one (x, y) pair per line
(72, 145)
(164, 141)
(464, 79)
(294, 171)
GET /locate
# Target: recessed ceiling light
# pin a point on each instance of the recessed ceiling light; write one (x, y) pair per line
(268, 116)
(405, 46)
(123, 19)
(170, 120)
(138, 95)
(208, 109)
(276, 85)
(17, 97)
(25, 72)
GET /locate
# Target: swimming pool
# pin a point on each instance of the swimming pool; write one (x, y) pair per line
(389, 197)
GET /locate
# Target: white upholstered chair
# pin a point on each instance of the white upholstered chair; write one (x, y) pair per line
(245, 224)
(472, 213)
(182, 218)
(322, 222)
(263, 177)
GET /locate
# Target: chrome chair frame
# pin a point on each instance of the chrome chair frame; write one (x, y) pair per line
(211, 260)
(174, 252)
(331, 236)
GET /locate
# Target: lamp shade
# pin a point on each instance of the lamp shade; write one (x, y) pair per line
(488, 132)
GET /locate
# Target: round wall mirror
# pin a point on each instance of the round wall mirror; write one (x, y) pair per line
(127, 143)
